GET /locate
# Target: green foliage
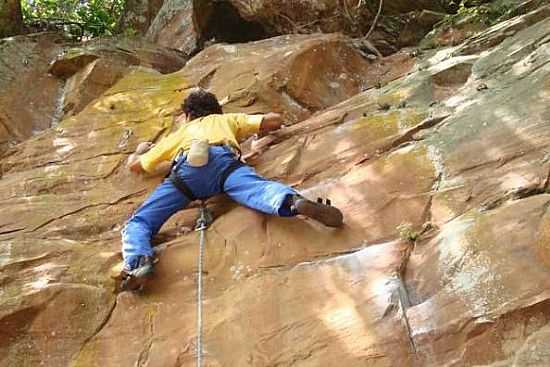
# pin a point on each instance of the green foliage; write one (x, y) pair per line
(130, 32)
(407, 232)
(91, 18)
(481, 12)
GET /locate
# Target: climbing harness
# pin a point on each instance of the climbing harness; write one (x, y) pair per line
(203, 221)
(181, 185)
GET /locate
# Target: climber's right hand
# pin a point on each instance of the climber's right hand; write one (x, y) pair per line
(270, 122)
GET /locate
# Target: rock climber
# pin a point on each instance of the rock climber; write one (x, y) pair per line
(223, 172)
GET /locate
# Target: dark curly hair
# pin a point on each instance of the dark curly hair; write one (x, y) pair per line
(200, 103)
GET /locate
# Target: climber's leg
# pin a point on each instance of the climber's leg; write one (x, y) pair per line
(161, 204)
(248, 188)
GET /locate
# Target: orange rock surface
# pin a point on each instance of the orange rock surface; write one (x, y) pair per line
(441, 170)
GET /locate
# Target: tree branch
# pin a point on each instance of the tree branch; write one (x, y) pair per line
(374, 21)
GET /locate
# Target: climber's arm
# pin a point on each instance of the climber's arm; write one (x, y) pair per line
(134, 163)
(259, 126)
(270, 122)
(135, 166)
(148, 160)
(155, 159)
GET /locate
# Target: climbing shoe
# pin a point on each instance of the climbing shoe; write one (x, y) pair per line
(322, 212)
(136, 276)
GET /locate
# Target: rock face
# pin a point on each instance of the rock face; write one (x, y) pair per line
(282, 74)
(93, 68)
(28, 94)
(45, 79)
(139, 14)
(173, 27)
(459, 27)
(283, 16)
(440, 165)
(187, 25)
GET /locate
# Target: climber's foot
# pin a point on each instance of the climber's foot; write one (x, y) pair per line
(322, 212)
(134, 278)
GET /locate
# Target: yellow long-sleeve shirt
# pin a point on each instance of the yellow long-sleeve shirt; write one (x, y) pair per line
(230, 129)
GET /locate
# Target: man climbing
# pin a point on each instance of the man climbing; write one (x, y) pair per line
(221, 172)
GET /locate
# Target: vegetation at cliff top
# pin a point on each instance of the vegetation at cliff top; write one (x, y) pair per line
(79, 18)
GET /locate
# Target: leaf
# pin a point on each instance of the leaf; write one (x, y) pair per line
(97, 17)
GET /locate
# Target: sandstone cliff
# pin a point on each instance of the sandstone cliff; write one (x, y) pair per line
(438, 158)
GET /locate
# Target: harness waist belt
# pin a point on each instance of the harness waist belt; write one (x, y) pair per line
(184, 188)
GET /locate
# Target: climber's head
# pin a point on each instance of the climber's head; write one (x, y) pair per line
(200, 103)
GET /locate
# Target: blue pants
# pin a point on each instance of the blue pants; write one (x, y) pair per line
(243, 185)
